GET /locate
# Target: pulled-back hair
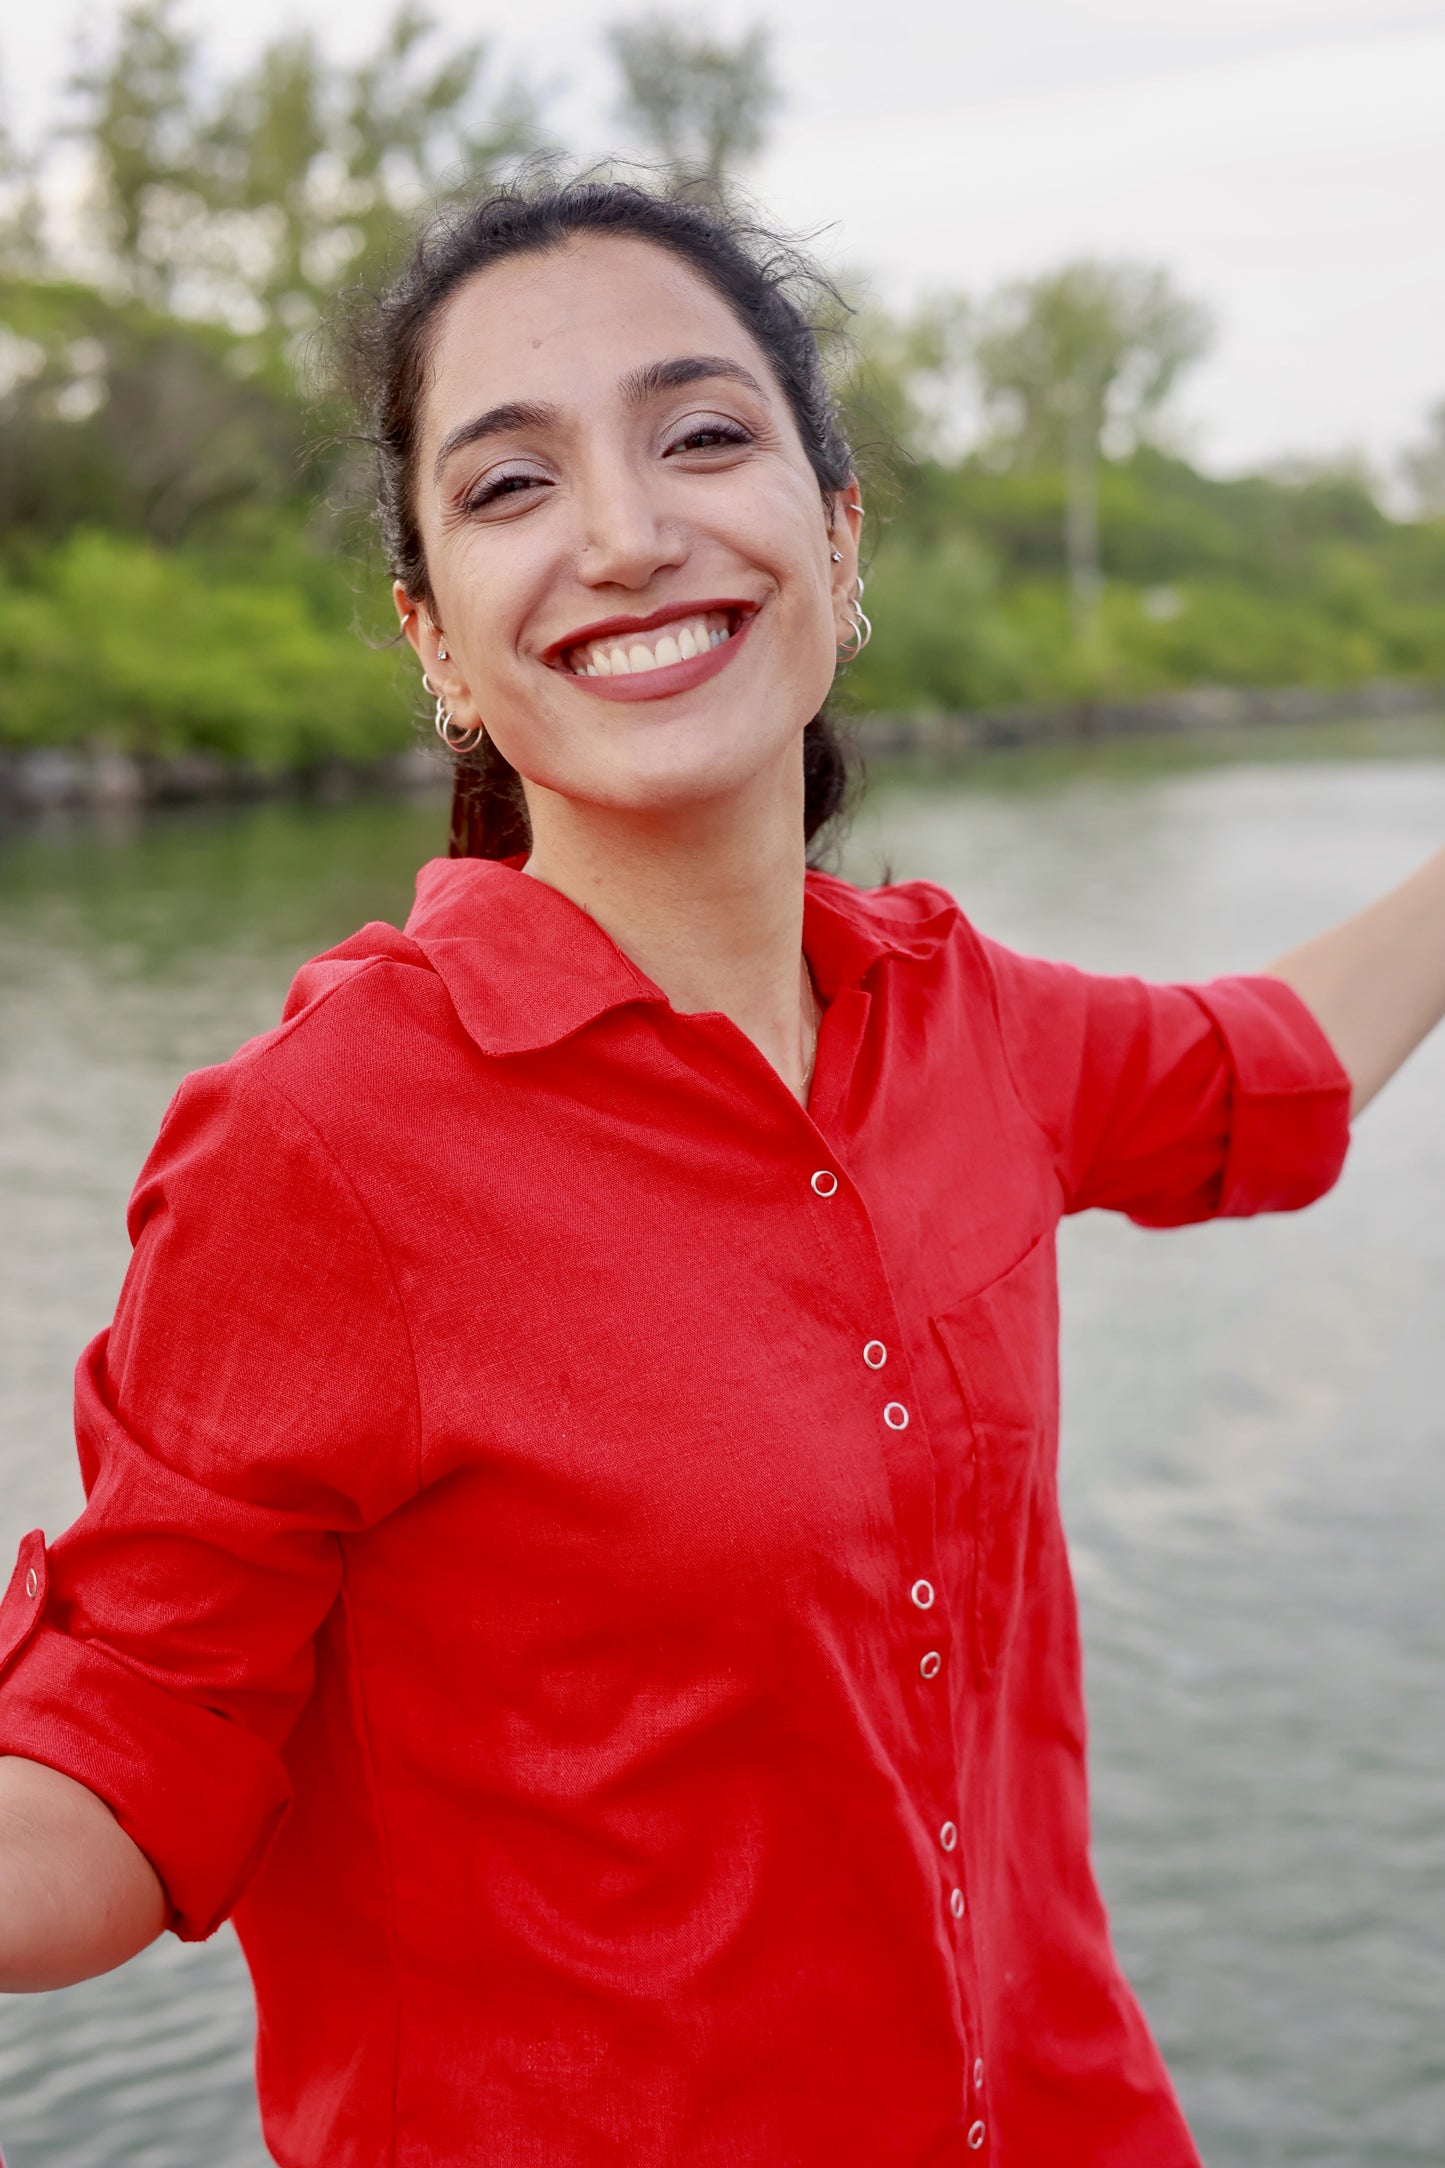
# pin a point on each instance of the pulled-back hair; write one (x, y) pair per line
(765, 281)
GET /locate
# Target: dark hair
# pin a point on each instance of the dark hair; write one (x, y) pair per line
(388, 342)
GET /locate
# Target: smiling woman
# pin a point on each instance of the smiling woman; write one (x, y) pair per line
(572, 1560)
(661, 374)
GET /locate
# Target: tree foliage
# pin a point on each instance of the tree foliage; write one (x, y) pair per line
(138, 120)
(697, 102)
(1092, 349)
(323, 168)
(115, 414)
(255, 201)
(1423, 466)
(171, 576)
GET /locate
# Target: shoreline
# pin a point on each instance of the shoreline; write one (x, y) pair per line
(38, 780)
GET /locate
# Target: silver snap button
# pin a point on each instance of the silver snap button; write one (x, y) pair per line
(895, 1415)
(32, 1584)
(922, 1594)
(948, 1836)
(875, 1354)
(930, 1665)
(978, 2071)
(955, 1903)
(825, 1181)
(977, 2132)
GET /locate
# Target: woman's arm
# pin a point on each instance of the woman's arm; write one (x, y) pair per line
(1376, 984)
(77, 1897)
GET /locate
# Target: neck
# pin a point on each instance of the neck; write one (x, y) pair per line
(707, 902)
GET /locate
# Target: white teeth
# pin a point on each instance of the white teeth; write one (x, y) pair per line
(680, 643)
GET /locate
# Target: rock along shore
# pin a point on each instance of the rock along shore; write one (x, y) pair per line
(36, 780)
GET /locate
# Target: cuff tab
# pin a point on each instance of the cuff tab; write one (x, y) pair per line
(23, 1605)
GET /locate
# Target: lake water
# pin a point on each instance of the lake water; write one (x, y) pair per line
(1254, 1453)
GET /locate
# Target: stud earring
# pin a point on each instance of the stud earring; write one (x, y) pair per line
(837, 557)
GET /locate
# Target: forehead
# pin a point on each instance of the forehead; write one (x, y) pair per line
(565, 326)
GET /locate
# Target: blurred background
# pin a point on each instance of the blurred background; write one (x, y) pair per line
(1141, 334)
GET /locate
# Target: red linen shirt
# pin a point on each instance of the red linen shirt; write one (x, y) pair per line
(572, 1557)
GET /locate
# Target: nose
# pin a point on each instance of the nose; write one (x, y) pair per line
(625, 539)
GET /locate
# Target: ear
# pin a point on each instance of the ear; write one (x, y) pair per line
(408, 614)
(415, 623)
(845, 534)
(427, 641)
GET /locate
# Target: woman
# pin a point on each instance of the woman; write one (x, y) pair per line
(572, 1561)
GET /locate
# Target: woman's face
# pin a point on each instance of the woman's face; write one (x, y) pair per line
(630, 558)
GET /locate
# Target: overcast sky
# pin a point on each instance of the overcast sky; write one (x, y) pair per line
(1285, 158)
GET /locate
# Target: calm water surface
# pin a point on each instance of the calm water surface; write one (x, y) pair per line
(1254, 1463)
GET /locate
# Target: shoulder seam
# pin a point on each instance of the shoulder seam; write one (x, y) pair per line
(255, 1052)
(1054, 1143)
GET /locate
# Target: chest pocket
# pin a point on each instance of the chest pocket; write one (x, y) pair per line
(1002, 1346)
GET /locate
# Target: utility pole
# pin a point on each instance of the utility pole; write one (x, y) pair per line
(1081, 519)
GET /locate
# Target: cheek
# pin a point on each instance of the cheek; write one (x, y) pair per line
(486, 596)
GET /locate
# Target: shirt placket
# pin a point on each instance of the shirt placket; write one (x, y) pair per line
(928, 1643)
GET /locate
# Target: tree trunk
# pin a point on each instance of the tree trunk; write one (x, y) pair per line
(1081, 522)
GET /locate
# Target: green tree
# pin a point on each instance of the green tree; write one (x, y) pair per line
(254, 206)
(22, 222)
(138, 118)
(115, 415)
(906, 379)
(1081, 357)
(321, 168)
(1423, 466)
(697, 102)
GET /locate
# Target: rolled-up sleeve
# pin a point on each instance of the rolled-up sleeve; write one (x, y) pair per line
(252, 1404)
(1174, 1103)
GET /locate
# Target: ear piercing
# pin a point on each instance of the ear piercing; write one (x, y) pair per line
(456, 737)
(860, 628)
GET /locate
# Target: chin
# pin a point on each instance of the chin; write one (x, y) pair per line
(651, 770)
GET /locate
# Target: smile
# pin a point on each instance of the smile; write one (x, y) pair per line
(650, 658)
(629, 655)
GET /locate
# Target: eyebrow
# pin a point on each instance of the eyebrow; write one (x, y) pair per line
(637, 387)
(654, 376)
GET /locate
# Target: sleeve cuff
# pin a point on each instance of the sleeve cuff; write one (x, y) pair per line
(1290, 1097)
(200, 1796)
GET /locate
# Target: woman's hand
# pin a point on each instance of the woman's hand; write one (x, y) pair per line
(1376, 984)
(77, 1897)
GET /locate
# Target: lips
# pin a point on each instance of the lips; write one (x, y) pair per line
(669, 651)
(677, 639)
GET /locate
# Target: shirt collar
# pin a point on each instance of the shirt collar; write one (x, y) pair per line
(847, 930)
(525, 966)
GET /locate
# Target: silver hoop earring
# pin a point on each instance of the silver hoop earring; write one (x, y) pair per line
(457, 737)
(862, 625)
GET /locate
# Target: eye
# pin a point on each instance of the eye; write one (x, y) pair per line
(500, 485)
(709, 433)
